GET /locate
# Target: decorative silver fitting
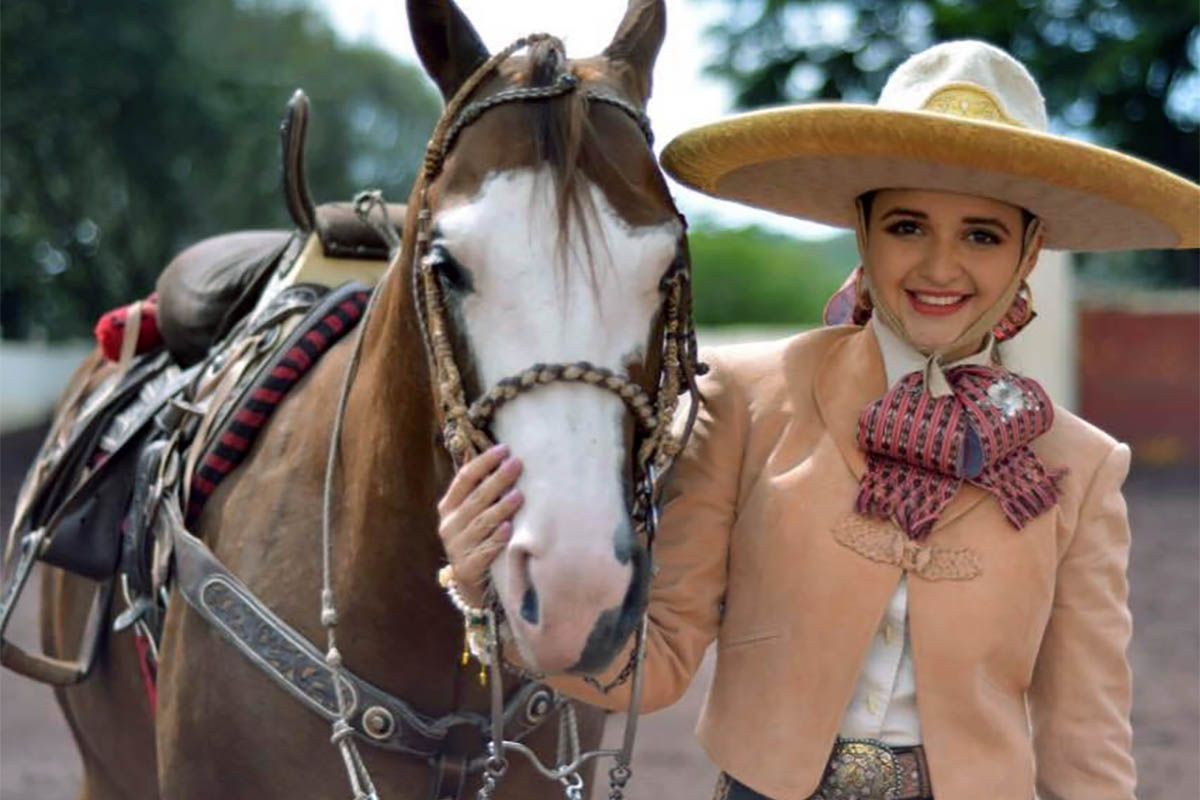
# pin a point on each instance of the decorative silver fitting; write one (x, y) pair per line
(539, 706)
(378, 722)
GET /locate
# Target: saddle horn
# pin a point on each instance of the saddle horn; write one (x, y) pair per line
(293, 131)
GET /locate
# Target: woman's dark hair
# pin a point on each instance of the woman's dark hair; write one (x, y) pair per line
(867, 199)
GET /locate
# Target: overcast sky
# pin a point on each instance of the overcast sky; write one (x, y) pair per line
(682, 97)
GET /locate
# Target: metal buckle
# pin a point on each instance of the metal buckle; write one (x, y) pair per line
(861, 769)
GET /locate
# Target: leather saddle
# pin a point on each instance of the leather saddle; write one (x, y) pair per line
(205, 290)
(77, 499)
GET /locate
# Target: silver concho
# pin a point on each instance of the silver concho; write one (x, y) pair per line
(378, 722)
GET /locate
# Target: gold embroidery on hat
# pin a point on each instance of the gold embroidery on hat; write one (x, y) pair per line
(970, 101)
(884, 542)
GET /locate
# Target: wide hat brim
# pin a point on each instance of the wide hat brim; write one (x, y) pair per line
(812, 161)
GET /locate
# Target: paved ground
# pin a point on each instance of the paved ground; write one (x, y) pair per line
(37, 759)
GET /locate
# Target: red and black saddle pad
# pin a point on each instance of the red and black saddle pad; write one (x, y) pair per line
(329, 320)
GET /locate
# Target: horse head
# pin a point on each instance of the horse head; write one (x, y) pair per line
(550, 234)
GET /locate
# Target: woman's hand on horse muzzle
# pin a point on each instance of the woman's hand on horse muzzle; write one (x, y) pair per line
(475, 517)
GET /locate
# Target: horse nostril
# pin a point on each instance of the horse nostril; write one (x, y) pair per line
(529, 606)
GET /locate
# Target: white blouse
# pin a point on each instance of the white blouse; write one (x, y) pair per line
(884, 704)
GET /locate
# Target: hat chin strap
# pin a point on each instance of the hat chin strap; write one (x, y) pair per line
(935, 380)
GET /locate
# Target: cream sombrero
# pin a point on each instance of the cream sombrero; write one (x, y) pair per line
(961, 117)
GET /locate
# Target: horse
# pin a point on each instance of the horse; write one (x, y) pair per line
(545, 229)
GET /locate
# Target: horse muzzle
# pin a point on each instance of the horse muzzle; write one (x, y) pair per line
(569, 611)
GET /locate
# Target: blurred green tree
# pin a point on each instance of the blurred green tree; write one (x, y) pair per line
(1123, 73)
(751, 275)
(130, 128)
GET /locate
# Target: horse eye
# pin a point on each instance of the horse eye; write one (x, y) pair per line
(453, 275)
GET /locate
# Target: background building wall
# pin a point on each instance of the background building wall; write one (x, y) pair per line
(1140, 370)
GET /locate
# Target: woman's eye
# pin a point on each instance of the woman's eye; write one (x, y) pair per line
(905, 227)
(983, 237)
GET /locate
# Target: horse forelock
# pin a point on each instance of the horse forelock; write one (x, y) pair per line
(560, 128)
(573, 140)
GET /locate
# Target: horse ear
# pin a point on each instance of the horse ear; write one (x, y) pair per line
(449, 48)
(638, 38)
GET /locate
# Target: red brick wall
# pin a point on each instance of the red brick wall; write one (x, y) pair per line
(1140, 381)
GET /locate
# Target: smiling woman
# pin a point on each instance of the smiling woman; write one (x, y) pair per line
(880, 512)
(940, 260)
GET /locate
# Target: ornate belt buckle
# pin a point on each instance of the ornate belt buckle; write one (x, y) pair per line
(861, 769)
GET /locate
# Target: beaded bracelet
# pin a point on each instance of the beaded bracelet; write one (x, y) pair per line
(479, 623)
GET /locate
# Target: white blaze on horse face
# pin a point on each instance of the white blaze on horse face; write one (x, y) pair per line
(571, 438)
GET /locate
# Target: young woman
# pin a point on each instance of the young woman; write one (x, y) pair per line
(912, 563)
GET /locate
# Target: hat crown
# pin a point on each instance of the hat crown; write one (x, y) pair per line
(967, 78)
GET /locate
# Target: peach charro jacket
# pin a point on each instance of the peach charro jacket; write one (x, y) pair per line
(1018, 637)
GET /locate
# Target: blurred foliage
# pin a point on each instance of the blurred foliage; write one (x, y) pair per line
(1122, 73)
(131, 128)
(753, 275)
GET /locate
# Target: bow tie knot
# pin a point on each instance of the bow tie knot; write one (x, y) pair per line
(921, 447)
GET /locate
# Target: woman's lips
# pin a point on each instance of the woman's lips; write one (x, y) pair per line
(936, 304)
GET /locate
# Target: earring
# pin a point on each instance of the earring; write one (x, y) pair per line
(850, 304)
(862, 299)
(1019, 314)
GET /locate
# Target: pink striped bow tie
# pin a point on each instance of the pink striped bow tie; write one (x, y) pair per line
(920, 448)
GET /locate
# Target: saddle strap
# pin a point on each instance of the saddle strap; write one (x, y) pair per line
(294, 663)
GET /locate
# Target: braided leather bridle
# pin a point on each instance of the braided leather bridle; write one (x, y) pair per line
(465, 426)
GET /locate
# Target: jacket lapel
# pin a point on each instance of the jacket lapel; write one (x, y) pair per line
(849, 378)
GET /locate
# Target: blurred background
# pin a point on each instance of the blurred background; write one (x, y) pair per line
(131, 128)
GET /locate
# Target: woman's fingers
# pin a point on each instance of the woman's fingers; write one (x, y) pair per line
(497, 513)
(490, 489)
(475, 563)
(467, 529)
(473, 544)
(469, 477)
(476, 513)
